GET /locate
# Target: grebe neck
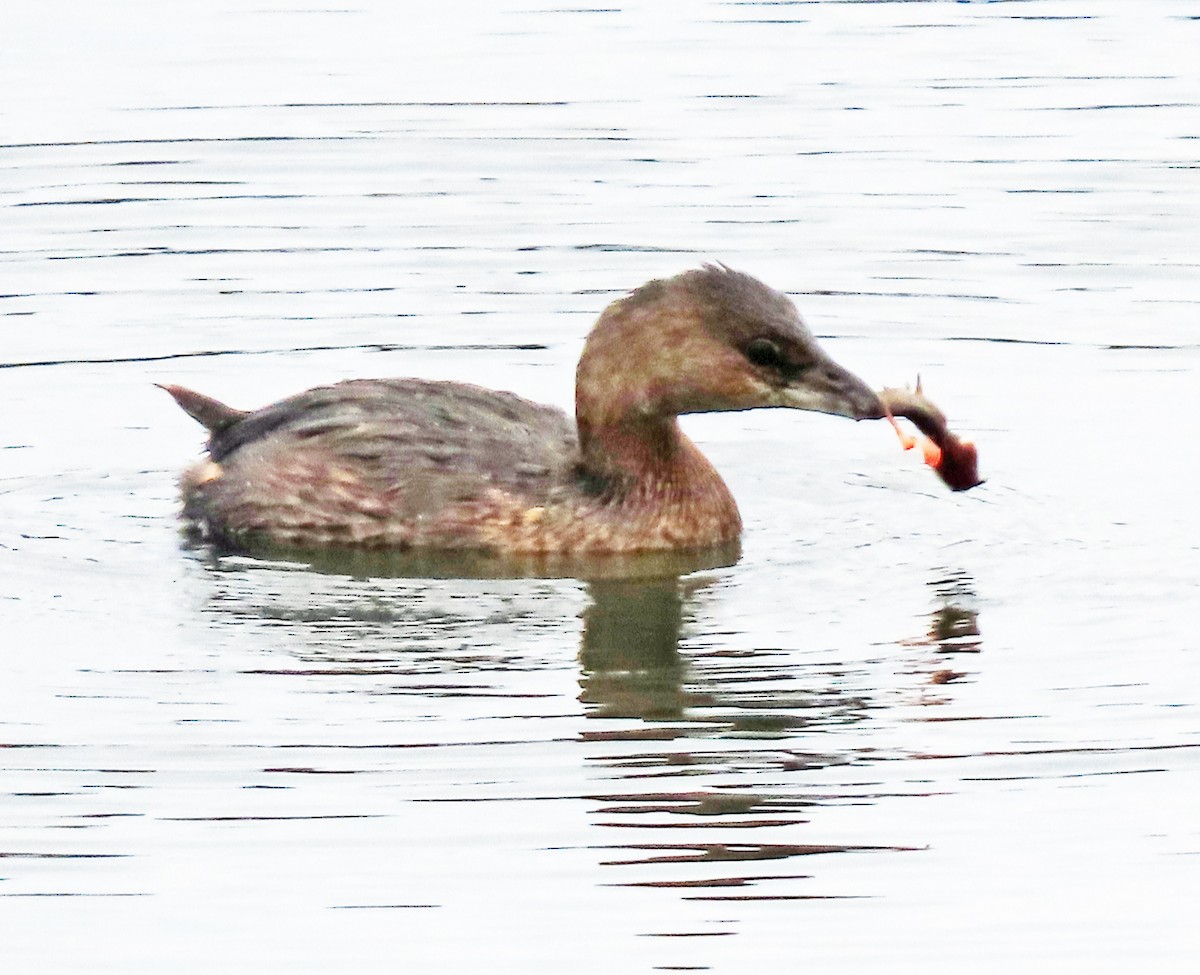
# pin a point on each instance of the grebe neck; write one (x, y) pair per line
(649, 466)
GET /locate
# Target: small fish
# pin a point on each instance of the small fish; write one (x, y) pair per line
(956, 461)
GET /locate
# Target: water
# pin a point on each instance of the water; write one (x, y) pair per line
(905, 730)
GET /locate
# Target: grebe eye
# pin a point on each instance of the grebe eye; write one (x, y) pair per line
(764, 352)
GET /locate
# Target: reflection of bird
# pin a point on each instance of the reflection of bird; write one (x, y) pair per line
(400, 463)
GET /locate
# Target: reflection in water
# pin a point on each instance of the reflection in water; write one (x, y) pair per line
(632, 668)
(722, 697)
(710, 762)
(630, 650)
(955, 626)
(426, 564)
(953, 629)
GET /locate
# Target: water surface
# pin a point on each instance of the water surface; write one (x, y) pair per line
(903, 731)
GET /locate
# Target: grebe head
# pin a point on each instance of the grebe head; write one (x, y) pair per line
(707, 340)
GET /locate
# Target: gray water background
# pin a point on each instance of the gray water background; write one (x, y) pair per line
(907, 731)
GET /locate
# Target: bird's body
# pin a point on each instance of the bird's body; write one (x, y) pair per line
(415, 464)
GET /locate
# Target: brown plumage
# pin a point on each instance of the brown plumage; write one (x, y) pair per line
(407, 463)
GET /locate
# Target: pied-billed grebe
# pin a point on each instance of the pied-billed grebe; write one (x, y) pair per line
(408, 463)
